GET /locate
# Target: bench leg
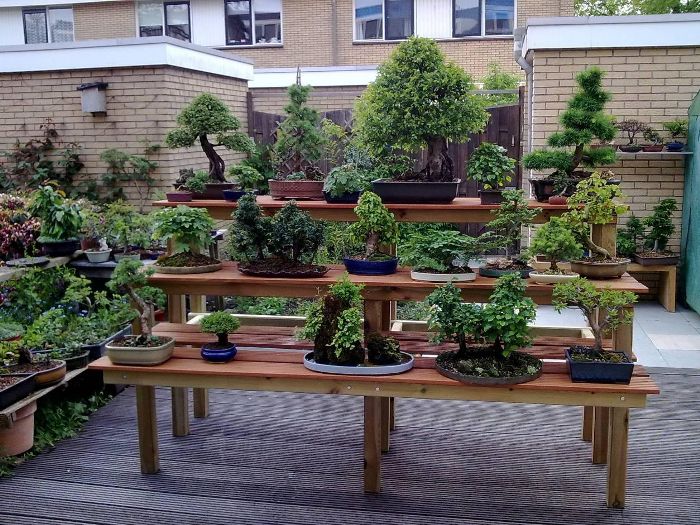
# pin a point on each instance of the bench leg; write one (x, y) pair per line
(147, 429)
(392, 413)
(386, 422)
(200, 401)
(587, 433)
(617, 457)
(373, 441)
(667, 289)
(181, 418)
(622, 336)
(601, 416)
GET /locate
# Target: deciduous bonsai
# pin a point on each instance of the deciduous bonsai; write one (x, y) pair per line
(375, 228)
(189, 232)
(441, 255)
(678, 129)
(488, 335)
(491, 166)
(419, 101)
(632, 128)
(555, 241)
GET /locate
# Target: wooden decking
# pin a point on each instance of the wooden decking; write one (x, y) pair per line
(264, 458)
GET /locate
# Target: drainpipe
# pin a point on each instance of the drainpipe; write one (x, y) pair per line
(527, 67)
(334, 32)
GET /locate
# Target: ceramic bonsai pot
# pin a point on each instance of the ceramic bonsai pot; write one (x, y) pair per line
(552, 278)
(557, 200)
(675, 146)
(20, 436)
(363, 267)
(23, 385)
(180, 270)
(495, 272)
(631, 148)
(345, 198)
(214, 354)
(27, 262)
(296, 189)
(600, 371)
(44, 378)
(60, 248)
(78, 361)
(140, 355)
(179, 196)
(491, 196)
(396, 192)
(600, 270)
(234, 195)
(651, 261)
(443, 360)
(97, 350)
(215, 190)
(98, 256)
(653, 148)
(443, 277)
(363, 369)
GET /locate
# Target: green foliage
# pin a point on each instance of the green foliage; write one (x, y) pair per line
(375, 224)
(188, 228)
(604, 308)
(261, 160)
(383, 350)
(634, 7)
(250, 230)
(491, 166)
(419, 100)
(10, 330)
(498, 78)
(556, 242)
(660, 224)
(632, 128)
(629, 237)
(125, 227)
(300, 142)
(221, 324)
(60, 219)
(583, 121)
(392, 166)
(294, 235)
(347, 178)
(677, 128)
(510, 217)
(125, 169)
(196, 182)
(652, 136)
(446, 251)
(130, 278)
(246, 177)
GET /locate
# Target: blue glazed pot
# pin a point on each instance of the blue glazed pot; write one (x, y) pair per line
(218, 355)
(361, 267)
(234, 195)
(675, 146)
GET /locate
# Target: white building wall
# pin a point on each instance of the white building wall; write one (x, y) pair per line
(11, 27)
(208, 27)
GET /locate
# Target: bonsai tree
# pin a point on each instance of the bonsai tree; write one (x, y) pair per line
(131, 278)
(193, 181)
(556, 242)
(300, 142)
(629, 237)
(632, 128)
(605, 309)
(221, 324)
(491, 166)
(440, 251)
(60, 220)
(418, 101)
(295, 236)
(583, 121)
(678, 128)
(375, 226)
(246, 177)
(251, 230)
(660, 225)
(126, 227)
(347, 179)
(207, 115)
(652, 136)
(510, 217)
(189, 229)
(593, 203)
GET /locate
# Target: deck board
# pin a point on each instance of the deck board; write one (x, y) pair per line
(451, 462)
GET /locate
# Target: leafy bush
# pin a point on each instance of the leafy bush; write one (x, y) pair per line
(497, 78)
(446, 251)
(375, 225)
(246, 177)
(678, 128)
(18, 231)
(10, 330)
(125, 227)
(221, 324)
(126, 169)
(510, 217)
(60, 220)
(556, 242)
(188, 228)
(347, 178)
(195, 181)
(491, 166)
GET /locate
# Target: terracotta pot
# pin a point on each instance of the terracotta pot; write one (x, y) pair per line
(653, 148)
(20, 437)
(297, 189)
(600, 270)
(558, 200)
(179, 196)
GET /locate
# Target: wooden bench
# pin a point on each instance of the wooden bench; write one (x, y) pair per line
(667, 281)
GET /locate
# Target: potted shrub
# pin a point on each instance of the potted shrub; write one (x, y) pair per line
(334, 324)
(221, 324)
(94, 230)
(632, 128)
(488, 335)
(440, 256)
(555, 241)
(419, 101)
(345, 183)
(60, 221)
(54, 334)
(505, 232)
(654, 141)
(583, 121)
(189, 185)
(129, 278)
(375, 226)
(207, 115)
(678, 128)
(282, 246)
(127, 230)
(605, 310)
(189, 231)
(660, 228)
(300, 144)
(46, 370)
(246, 178)
(10, 331)
(594, 202)
(490, 166)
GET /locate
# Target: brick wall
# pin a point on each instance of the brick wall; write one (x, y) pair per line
(142, 104)
(104, 20)
(653, 85)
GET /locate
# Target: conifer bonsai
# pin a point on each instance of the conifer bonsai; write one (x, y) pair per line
(646, 239)
(555, 241)
(222, 324)
(375, 228)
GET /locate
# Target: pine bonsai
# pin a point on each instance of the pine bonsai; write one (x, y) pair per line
(221, 324)
(513, 213)
(131, 278)
(491, 166)
(207, 115)
(660, 225)
(250, 230)
(419, 100)
(583, 121)
(375, 226)
(556, 242)
(628, 238)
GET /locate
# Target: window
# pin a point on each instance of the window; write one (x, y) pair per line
(253, 22)
(43, 25)
(383, 19)
(173, 16)
(499, 17)
(483, 17)
(467, 18)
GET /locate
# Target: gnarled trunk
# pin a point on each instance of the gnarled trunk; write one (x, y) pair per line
(371, 244)
(216, 163)
(439, 167)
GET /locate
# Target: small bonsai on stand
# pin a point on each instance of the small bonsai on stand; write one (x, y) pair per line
(629, 237)
(583, 121)
(189, 232)
(488, 335)
(61, 221)
(490, 166)
(605, 310)
(556, 242)
(632, 128)
(375, 227)
(678, 129)
(222, 324)
(654, 140)
(661, 228)
(247, 180)
(441, 256)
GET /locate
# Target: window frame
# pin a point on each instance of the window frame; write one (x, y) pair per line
(251, 14)
(45, 11)
(163, 17)
(384, 24)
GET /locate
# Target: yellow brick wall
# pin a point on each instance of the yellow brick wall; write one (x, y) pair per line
(142, 104)
(104, 20)
(653, 85)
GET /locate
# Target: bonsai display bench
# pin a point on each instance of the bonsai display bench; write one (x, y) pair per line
(667, 281)
(283, 371)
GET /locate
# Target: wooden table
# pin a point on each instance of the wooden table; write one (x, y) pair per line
(283, 372)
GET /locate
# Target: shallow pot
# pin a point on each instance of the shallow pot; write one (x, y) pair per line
(363, 267)
(127, 257)
(674, 146)
(651, 261)
(364, 369)
(179, 196)
(140, 356)
(443, 277)
(397, 192)
(494, 272)
(344, 198)
(653, 148)
(60, 248)
(599, 372)
(20, 436)
(552, 278)
(20, 390)
(296, 189)
(98, 256)
(218, 355)
(600, 270)
(234, 195)
(215, 190)
(491, 196)
(557, 200)
(188, 269)
(78, 361)
(445, 357)
(631, 148)
(48, 377)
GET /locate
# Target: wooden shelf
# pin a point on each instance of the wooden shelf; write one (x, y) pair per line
(7, 273)
(627, 155)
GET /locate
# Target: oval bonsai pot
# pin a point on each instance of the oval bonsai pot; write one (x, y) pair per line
(653, 148)
(362, 369)
(60, 248)
(434, 277)
(179, 196)
(296, 189)
(495, 272)
(344, 198)
(214, 353)
(674, 146)
(491, 196)
(78, 361)
(600, 269)
(557, 200)
(140, 355)
(98, 256)
(600, 371)
(630, 148)
(48, 377)
(669, 260)
(443, 360)
(364, 267)
(552, 278)
(397, 192)
(234, 195)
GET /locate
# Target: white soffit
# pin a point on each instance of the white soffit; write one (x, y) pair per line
(314, 76)
(132, 52)
(44, 3)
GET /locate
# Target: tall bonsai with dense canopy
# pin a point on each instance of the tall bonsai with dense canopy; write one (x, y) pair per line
(583, 121)
(207, 115)
(419, 100)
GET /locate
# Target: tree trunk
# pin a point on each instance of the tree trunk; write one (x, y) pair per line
(576, 160)
(216, 163)
(371, 244)
(222, 339)
(439, 166)
(597, 249)
(553, 264)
